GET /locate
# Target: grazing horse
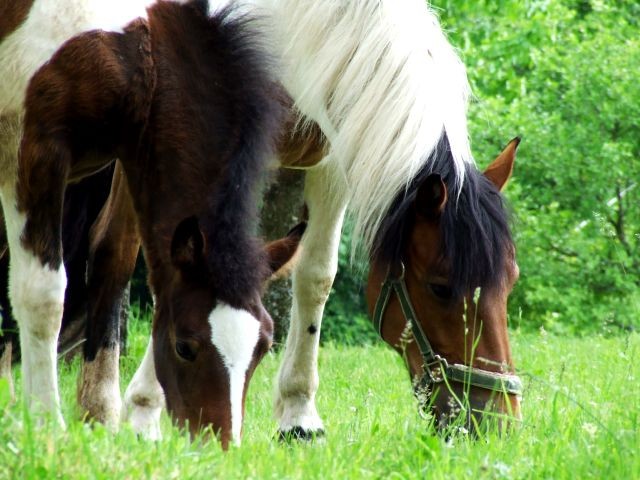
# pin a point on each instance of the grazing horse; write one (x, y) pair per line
(182, 96)
(379, 99)
(386, 96)
(441, 271)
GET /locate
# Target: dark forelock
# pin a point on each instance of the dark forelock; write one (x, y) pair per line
(474, 225)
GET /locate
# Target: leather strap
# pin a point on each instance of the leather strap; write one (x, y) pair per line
(435, 367)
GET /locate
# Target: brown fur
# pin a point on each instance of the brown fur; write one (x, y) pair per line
(12, 14)
(113, 251)
(88, 75)
(302, 148)
(499, 172)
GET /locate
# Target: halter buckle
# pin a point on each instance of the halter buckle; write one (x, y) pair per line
(391, 275)
(436, 369)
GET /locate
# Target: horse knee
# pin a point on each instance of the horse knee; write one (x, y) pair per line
(37, 297)
(313, 285)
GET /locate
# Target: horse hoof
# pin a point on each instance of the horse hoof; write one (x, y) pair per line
(300, 434)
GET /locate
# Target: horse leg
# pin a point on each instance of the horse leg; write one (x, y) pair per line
(144, 399)
(37, 278)
(312, 279)
(114, 245)
(83, 202)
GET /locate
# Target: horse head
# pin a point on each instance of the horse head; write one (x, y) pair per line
(206, 347)
(440, 299)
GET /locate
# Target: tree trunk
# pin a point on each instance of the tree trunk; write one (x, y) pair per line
(281, 210)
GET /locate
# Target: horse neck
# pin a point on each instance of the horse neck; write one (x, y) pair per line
(208, 138)
(164, 193)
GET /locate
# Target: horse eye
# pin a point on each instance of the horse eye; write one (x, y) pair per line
(185, 350)
(441, 291)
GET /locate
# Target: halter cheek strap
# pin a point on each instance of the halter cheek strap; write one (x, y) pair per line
(436, 368)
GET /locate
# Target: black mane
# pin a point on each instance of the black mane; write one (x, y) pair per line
(238, 263)
(235, 120)
(475, 225)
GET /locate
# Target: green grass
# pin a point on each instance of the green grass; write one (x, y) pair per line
(580, 420)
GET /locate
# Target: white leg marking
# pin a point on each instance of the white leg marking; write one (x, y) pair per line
(37, 298)
(99, 387)
(312, 279)
(235, 334)
(144, 399)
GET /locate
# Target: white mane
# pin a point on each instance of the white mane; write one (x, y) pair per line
(383, 83)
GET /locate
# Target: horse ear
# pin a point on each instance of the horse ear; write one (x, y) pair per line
(500, 170)
(281, 252)
(187, 245)
(431, 196)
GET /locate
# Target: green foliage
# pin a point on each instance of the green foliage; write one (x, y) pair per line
(575, 424)
(564, 76)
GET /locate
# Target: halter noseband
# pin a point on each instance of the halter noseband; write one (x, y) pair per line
(436, 368)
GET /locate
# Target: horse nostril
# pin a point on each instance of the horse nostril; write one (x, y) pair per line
(185, 350)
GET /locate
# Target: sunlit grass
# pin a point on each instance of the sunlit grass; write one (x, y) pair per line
(580, 420)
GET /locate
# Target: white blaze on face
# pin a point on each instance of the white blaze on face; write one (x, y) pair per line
(235, 334)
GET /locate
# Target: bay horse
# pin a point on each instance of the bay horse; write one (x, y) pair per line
(440, 275)
(182, 96)
(379, 101)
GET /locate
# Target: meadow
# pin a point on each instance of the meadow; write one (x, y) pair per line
(581, 419)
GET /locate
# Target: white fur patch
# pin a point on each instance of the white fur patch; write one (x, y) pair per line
(144, 399)
(235, 334)
(216, 5)
(37, 298)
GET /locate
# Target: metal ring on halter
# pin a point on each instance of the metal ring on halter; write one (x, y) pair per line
(399, 277)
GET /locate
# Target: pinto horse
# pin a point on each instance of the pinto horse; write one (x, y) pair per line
(379, 102)
(382, 96)
(182, 96)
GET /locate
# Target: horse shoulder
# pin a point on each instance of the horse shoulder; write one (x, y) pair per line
(95, 83)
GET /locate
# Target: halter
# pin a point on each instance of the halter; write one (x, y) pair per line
(436, 368)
